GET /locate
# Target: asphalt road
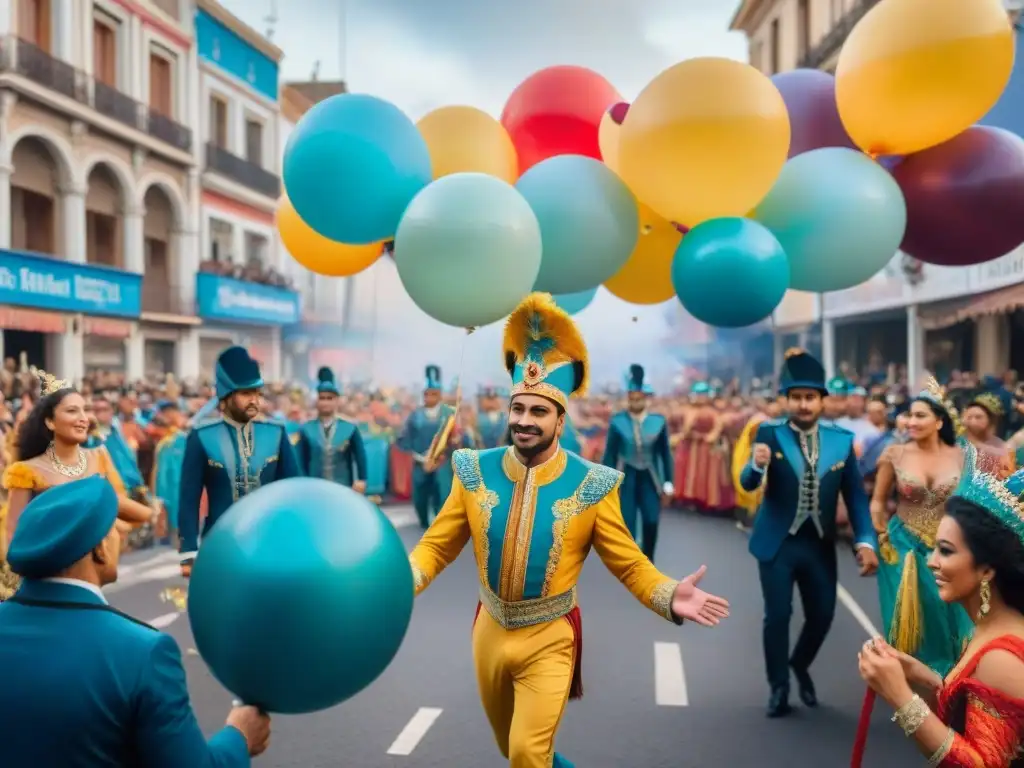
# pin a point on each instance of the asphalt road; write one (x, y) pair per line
(657, 696)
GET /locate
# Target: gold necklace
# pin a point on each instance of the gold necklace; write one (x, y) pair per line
(68, 470)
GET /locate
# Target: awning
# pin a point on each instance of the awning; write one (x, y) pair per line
(111, 329)
(948, 313)
(33, 320)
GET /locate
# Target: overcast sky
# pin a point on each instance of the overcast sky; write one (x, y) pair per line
(423, 54)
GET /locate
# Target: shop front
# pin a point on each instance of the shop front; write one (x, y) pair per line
(248, 314)
(65, 317)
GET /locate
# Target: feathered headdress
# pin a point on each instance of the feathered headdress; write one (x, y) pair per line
(635, 380)
(49, 384)
(990, 403)
(935, 394)
(326, 381)
(997, 498)
(801, 371)
(544, 351)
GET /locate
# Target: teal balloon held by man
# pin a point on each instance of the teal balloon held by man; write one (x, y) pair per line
(300, 596)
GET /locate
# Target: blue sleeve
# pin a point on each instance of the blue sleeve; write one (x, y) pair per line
(357, 450)
(751, 477)
(857, 504)
(287, 464)
(663, 453)
(302, 452)
(193, 469)
(612, 448)
(404, 441)
(167, 734)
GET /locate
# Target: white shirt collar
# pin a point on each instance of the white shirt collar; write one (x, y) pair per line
(79, 583)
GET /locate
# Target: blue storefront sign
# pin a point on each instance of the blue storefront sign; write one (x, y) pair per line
(236, 301)
(42, 282)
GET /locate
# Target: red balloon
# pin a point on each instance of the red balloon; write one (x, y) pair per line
(557, 111)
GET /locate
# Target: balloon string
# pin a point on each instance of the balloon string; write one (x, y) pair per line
(458, 379)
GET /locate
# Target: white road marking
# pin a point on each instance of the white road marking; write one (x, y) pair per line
(669, 677)
(858, 613)
(162, 622)
(414, 731)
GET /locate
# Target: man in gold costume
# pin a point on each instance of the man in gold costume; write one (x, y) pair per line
(533, 511)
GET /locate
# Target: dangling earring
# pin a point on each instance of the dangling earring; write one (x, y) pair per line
(986, 599)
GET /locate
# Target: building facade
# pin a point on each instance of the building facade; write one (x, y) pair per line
(929, 318)
(243, 295)
(98, 184)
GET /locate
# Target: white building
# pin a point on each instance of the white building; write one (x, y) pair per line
(241, 296)
(98, 189)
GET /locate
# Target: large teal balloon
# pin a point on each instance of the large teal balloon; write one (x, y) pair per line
(589, 221)
(468, 249)
(839, 216)
(574, 303)
(300, 596)
(352, 165)
(730, 272)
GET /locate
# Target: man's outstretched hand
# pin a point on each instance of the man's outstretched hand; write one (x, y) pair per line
(689, 602)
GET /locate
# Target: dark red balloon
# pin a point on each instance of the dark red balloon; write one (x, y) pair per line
(810, 97)
(965, 198)
(557, 111)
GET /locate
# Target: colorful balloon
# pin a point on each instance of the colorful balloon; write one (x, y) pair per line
(646, 278)
(706, 138)
(352, 165)
(468, 140)
(589, 222)
(318, 254)
(609, 133)
(915, 73)
(468, 249)
(810, 97)
(839, 216)
(557, 111)
(300, 596)
(965, 198)
(574, 303)
(730, 272)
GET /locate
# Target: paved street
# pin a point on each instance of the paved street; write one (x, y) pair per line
(657, 696)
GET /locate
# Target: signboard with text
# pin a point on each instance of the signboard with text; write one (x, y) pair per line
(43, 282)
(236, 301)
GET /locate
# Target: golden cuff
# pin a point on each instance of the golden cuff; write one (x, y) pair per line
(527, 613)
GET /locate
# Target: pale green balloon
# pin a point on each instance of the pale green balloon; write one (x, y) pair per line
(468, 249)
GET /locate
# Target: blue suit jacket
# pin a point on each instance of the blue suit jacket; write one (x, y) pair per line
(85, 686)
(652, 455)
(837, 472)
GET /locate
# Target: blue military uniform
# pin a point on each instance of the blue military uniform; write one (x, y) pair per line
(227, 459)
(421, 435)
(85, 686)
(638, 446)
(570, 439)
(331, 449)
(491, 426)
(794, 535)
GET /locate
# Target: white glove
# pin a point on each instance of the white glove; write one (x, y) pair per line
(668, 489)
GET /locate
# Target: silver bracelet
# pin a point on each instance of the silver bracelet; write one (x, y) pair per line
(940, 754)
(912, 715)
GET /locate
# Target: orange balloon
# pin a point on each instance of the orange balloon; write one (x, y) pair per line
(647, 277)
(317, 253)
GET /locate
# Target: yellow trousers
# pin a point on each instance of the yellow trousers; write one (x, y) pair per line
(524, 677)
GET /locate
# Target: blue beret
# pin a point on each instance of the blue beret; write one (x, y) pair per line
(62, 525)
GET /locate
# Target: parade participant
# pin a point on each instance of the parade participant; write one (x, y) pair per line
(638, 445)
(533, 511)
(701, 468)
(975, 715)
(981, 420)
(329, 446)
(108, 434)
(232, 456)
(425, 436)
(835, 401)
(492, 421)
(167, 463)
(85, 685)
(807, 465)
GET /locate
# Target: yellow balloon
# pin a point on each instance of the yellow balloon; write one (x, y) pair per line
(468, 140)
(318, 254)
(915, 73)
(609, 134)
(647, 277)
(706, 138)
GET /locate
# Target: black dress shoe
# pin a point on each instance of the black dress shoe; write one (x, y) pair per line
(778, 703)
(805, 687)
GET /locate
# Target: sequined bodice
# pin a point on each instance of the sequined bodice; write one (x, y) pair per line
(921, 506)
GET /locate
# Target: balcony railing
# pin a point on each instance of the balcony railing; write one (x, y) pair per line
(833, 41)
(241, 170)
(21, 57)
